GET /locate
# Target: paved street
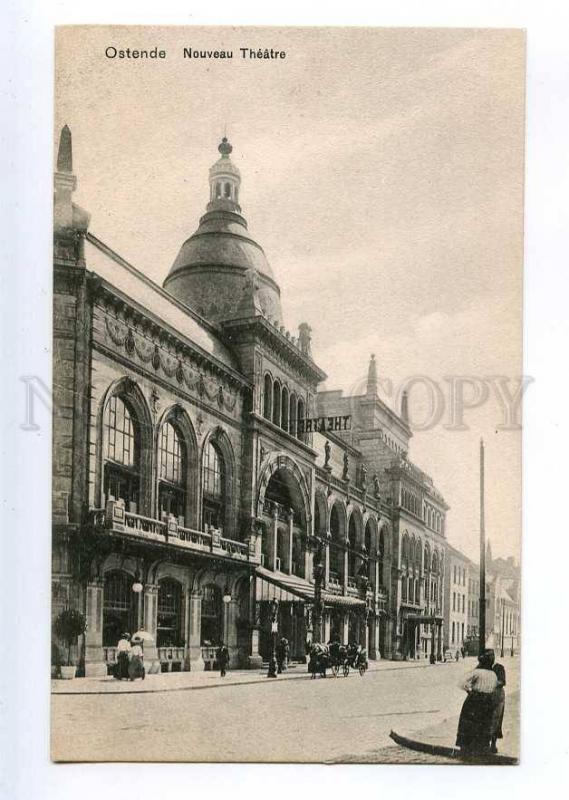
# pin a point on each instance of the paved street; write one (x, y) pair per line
(343, 719)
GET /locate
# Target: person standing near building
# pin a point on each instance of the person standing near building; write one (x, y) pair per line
(223, 659)
(123, 657)
(476, 717)
(499, 706)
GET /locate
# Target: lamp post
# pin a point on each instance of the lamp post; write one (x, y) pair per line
(503, 626)
(482, 610)
(272, 673)
(317, 545)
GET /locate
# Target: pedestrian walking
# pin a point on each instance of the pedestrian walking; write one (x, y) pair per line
(223, 659)
(499, 707)
(476, 717)
(462, 651)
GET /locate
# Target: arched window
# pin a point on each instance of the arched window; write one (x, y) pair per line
(418, 554)
(336, 546)
(277, 403)
(381, 555)
(118, 617)
(122, 454)
(404, 551)
(404, 588)
(292, 414)
(268, 397)
(228, 190)
(213, 482)
(284, 409)
(300, 418)
(352, 547)
(172, 477)
(212, 616)
(169, 624)
(417, 592)
(218, 189)
(427, 559)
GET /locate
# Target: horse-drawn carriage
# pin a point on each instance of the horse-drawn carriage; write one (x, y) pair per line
(337, 658)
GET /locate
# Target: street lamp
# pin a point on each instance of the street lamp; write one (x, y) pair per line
(137, 585)
(226, 596)
(272, 673)
(317, 544)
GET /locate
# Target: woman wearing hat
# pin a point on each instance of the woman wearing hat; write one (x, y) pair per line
(475, 723)
(123, 657)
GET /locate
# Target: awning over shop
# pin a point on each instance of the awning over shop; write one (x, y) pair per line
(291, 588)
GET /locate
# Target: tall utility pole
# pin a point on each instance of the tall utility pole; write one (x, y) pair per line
(482, 610)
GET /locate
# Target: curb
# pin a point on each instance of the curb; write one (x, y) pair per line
(453, 753)
(263, 679)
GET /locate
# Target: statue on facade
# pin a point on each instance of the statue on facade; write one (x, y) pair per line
(376, 486)
(363, 477)
(346, 472)
(327, 453)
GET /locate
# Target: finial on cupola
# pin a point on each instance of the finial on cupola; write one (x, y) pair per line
(372, 376)
(225, 148)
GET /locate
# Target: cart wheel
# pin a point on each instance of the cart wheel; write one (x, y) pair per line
(346, 670)
(362, 670)
(335, 669)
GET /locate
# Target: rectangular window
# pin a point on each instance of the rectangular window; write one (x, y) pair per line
(454, 601)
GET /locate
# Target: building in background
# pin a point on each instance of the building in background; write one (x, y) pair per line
(197, 469)
(457, 599)
(503, 613)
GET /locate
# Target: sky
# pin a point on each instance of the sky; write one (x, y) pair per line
(382, 172)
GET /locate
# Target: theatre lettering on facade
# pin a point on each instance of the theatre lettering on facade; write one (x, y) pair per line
(198, 470)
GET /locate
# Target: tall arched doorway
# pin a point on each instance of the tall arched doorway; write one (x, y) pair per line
(285, 522)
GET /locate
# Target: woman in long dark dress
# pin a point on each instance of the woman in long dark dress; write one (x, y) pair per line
(123, 657)
(499, 706)
(475, 723)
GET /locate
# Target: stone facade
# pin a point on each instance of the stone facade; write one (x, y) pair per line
(192, 485)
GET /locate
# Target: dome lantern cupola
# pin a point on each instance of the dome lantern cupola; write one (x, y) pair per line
(221, 271)
(224, 181)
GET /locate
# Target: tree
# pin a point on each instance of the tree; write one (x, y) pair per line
(69, 624)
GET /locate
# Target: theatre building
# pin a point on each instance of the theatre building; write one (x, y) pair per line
(198, 473)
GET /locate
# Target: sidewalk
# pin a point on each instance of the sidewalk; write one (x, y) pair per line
(185, 681)
(445, 732)
(442, 733)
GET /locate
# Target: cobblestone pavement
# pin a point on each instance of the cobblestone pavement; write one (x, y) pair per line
(337, 719)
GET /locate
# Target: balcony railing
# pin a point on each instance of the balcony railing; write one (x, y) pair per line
(117, 519)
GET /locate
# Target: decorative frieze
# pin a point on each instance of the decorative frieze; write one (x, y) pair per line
(137, 345)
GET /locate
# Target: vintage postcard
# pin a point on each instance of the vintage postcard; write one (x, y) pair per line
(287, 374)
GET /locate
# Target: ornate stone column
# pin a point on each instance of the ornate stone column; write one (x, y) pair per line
(230, 614)
(95, 665)
(290, 537)
(345, 627)
(150, 617)
(195, 633)
(273, 539)
(255, 660)
(325, 627)
(374, 643)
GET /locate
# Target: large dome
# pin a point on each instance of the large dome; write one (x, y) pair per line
(221, 272)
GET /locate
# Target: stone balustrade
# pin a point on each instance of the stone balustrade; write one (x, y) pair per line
(116, 518)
